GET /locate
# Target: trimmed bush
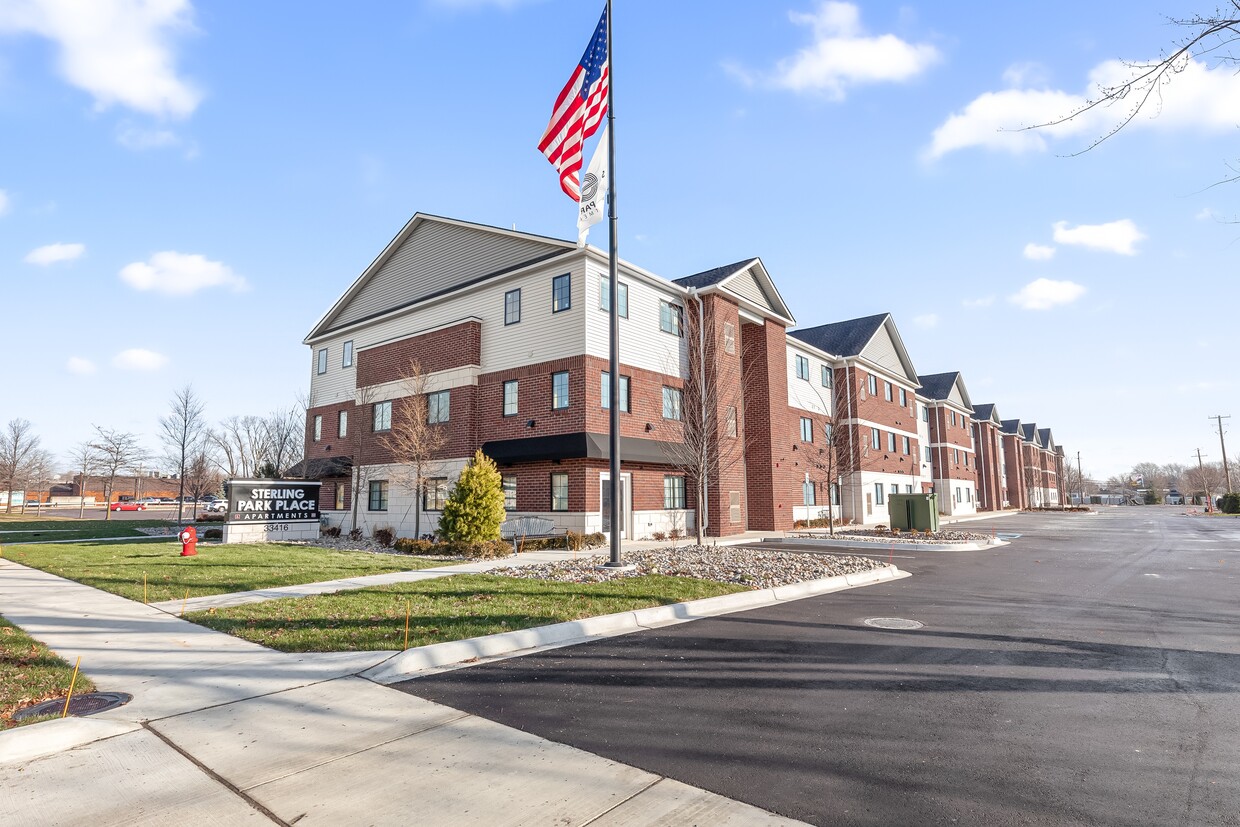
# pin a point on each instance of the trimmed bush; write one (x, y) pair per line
(213, 517)
(484, 550)
(355, 534)
(330, 531)
(407, 545)
(475, 508)
(384, 535)
(596, 540)
(1230, 503)
(213, 534)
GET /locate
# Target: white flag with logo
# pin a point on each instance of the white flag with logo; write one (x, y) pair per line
(593, 191)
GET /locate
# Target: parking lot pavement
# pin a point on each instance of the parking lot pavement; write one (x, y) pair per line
(1085, 674)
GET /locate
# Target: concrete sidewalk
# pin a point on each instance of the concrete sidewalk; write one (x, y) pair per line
(223, 731)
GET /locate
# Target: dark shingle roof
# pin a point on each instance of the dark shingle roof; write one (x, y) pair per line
(986, 411)
(1009, 426)
(842, 338)
(1045, 434)
(1029, 431)
(708, 277)
(938, 385)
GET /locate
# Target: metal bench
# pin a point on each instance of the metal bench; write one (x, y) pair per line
(520, 529)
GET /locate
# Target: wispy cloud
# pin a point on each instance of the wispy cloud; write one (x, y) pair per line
(1114, 237)
(139, 359)
(926, 320)
(984, 301)
(121, 52)
(180, 274)
(80, 366)
(1039, 252)
(54, 253)
(1043, 294)
(841, 56)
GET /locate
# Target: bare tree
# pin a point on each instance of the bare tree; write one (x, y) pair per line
(86, 462)
(414, 441)
(40, 471)
(201, 477)
(1204, 480)
(285, 438)
(242, 443)
(181, 431)
(18, 447)
(1074, 481)
(116, 451)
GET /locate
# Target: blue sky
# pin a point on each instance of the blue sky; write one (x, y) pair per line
(186, 188)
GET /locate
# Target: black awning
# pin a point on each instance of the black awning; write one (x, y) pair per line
(580, 445)
(321, 468)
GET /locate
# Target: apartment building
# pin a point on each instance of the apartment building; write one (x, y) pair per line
(498, 340)
(946, 405)
(992, 489)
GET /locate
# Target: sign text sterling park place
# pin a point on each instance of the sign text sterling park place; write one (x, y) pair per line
(265, 510)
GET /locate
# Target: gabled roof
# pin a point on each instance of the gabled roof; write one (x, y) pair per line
(433, 255)
(940, 387)
(1029, 432)
(1010, 426)
(1044, 434)
(861, 338)
(746, 280)
(987, 411)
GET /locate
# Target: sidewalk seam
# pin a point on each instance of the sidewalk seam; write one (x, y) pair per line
(658, 779)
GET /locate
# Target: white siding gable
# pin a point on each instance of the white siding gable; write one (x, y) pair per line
(642, 344)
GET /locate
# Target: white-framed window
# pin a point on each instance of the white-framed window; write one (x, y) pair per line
(622, 296)
(826, 376)
(925, 413)
(876, 439)
(835, 493)
(807, 432)
(342, 425)
(435, 494)
(671, 402)
(509, 484)
(562, 293)
(828, 431)
(808, 495)
(671, 318)
(510, 397)
(903, 398)
(878, 493)
(346, 355)
(437, 407)
(559, 390)
(907, 446)
(895, 489)
(673, 492)
(322, 367)
(968, 495)
(908, 489)
(512, 306)
(729, 338)
(730, 422)
(802, 367)
(929, 458)
(378, 499)
(381, 417)
(873, 382)
(953, 417)
(624, 392)
(559, 492)
(887, 391)
(957, 493)
(318, 427)
(891, 441)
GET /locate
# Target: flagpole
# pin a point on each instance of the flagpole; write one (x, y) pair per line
(613, 315)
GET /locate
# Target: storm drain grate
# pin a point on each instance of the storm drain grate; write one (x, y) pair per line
(88, 704)
(893, 623)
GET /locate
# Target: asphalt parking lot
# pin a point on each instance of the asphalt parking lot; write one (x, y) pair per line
(1086, 674)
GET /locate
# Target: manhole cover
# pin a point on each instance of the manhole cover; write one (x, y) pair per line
(893, 623)
(87, 704)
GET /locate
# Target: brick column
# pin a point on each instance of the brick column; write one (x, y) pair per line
(768, 438)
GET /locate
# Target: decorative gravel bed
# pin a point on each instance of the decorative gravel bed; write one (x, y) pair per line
(750, 567)
(887, 538)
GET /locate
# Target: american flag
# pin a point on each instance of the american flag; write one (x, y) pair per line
(578, 112)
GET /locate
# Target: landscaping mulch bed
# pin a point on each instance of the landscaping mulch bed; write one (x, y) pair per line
(887, 538)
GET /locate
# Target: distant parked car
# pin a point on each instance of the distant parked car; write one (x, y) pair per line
(216, 505)
(129, 506)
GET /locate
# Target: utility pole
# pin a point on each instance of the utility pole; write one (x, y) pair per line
(1223, 445)
(1202, 467)
(1080, 478)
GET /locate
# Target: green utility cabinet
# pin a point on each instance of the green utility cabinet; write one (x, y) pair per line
(919, 511)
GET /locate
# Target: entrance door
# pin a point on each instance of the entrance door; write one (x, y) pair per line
(626, 515)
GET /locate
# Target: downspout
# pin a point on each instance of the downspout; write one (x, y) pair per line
(703, 484)
(855, 484)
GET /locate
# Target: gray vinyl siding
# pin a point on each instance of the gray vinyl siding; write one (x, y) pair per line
(437, 257)
(746, 284)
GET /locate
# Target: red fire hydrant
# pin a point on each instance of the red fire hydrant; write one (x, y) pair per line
(189, 541)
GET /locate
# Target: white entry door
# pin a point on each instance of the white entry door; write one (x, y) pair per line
(626, 506)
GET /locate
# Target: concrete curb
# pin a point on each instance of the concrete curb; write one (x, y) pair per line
(36, 740)
(459, 653)
(880, 547)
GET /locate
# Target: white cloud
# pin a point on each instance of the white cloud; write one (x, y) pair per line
(137, 358)
(137, 138)
(119, 51)
(842, 55)
(1039, 252)
(1114, 237)
(179, 274)
(1197, 98)
(1205, 214)
(1025, 74)
(53, 253)
(926, 320)
(1043, 294)
(80, 366)
(984, 301)
(4, 202)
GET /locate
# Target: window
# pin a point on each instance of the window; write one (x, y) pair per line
(826, 376)
(512, 306)
(876, 439)
(887, 391)
(966, 460)
(925, 414)
(903, 398)
(802, 368)
(908, 489)
(378, 496)
(622, 297)
(955, 456)
(381, 419)
(835, 494)
(342, 425)
(828, 431)
(673, 492)
(624, 392)
(561, 293)
(891, 442)
(510, 492)
(730, 422)
(322, 361)
(346, 360)
(906, 446)
(873, 386)
(957, 493)
(807, 492)
(878, 493)
(928, 457)
(338, 502)
(559, 390)
(559, 492)
(510, 397)
(953, 413)
(895, 489)
(318, 428)
(437, 407)
(671, 403)
(729, 338)
(435, 494)
(734, 506)
(670, 318)
(807, 432)
(968, 495)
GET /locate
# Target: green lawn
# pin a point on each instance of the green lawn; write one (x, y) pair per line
(451, 608)
(119, 567)
(68, 530)
(30, 673)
